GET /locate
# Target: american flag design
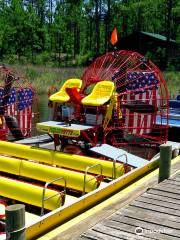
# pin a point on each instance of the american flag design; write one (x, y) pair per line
(10, 108)
(19, 105)
(140, 86)
(11, 104)
(24, 110)
(140, 82)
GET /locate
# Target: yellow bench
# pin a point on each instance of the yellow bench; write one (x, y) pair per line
(28, 193)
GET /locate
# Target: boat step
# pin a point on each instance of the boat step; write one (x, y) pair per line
(118, 154)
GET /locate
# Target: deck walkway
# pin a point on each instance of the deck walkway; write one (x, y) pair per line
(153, 215)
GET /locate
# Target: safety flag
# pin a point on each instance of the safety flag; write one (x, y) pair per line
(114, 37)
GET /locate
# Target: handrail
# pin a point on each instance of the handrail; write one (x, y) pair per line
(96, 177)
(114, 164)
(58, 193)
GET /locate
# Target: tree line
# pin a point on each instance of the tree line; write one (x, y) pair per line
(67, 32)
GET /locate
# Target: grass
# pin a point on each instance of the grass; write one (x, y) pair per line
(173, 83)
(44, 77)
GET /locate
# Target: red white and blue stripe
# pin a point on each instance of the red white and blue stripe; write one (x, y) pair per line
(142, 87)
(25, 100)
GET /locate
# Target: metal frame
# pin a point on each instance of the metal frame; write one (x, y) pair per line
(97, 176)
(47, 198)
(114, 164)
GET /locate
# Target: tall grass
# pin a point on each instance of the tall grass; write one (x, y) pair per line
(44, 77)
(173, 83)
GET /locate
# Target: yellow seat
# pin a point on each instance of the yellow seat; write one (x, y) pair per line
(61, 95)
(100, 94)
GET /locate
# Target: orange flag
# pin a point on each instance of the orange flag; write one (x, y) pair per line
(114, 37)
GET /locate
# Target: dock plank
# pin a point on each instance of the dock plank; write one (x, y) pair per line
(149, 230)
(150, 216)
(94, 235)
(159, 202)
(167, 189)
(126, 228)
(157, 209)
(164, 193)
(130, 228)
(161, 198)
(119, 233)
(177, 178)
(172, 186)
(173, 181)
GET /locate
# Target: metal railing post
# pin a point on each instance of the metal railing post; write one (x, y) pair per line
(58, 193)
(93, 177)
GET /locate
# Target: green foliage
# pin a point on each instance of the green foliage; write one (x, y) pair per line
(43, 58)
(173, 82)
(82, 59)
(158, 57)
(31, 73)
(64, 32)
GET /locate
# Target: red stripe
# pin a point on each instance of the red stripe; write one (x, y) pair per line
(138, 123)
(139, 116)
(146, 130)
(129, 117)
(25, 120)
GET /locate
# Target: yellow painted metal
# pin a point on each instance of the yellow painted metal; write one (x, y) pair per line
(109, 111)
(61, 130)
(66, 160)
(100, 94)
(61, 95)
(30, 218)
(105, 204)
(74, 180)
(9, 165)
(28, 193)
(61, 215)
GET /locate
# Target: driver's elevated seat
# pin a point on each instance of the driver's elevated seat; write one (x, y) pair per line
(101, 94)
(62, 96)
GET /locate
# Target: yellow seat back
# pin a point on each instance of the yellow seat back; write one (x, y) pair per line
(61, 95)
(101, 93)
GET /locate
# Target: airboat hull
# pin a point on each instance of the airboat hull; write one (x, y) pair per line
(63, 214)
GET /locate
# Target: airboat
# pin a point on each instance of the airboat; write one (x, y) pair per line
(105, 130)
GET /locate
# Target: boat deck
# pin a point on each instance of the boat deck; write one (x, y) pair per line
(153, 215)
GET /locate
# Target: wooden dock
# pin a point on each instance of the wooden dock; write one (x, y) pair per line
(153, 215)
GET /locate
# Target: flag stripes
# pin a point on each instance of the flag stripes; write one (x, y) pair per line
(141, 87)
(19, 105)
